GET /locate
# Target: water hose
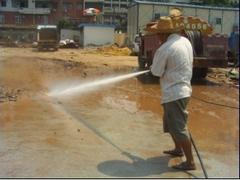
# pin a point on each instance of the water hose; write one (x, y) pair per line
(199, 157)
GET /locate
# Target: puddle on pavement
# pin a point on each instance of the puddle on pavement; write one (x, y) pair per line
(213, 127)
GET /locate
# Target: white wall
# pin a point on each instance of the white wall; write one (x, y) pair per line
(203, 14)
(98, 35)
(229, 16)
(189, 11)
(217, 27)
(31, 4)
(69, 34)
(132, 23)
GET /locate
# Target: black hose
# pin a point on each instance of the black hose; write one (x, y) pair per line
(217, 104)
(199, 157)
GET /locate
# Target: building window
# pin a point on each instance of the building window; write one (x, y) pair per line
(93, 5)
(2, 19)
(79, 5)
(124, 6)
(67, 5)
(107, 5)
(3, 3)
(42, 4)
(23, 4)
(18, 19)
(218, 21)
(19, 4)
(157, 16)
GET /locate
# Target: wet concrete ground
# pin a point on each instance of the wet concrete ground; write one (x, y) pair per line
(113, 132)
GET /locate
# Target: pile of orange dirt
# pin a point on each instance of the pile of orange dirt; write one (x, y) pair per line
(112, 50)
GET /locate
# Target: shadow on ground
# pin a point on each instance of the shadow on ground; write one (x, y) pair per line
(138, 167)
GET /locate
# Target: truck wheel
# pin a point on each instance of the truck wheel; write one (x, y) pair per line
(199, 73)
(141, 63)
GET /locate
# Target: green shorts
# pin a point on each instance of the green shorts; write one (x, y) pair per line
(175, 118)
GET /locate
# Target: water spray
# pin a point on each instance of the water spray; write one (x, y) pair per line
(92, 85)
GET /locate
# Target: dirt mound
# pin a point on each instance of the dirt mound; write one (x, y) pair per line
(112, 50)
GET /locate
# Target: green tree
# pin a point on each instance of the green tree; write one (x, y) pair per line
(65, 23)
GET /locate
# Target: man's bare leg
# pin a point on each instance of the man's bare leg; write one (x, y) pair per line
(187, 149)
(177, 151)
(178, 147)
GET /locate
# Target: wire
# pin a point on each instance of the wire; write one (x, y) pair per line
(223, 105)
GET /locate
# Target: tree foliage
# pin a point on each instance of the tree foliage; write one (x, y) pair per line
(64, 23)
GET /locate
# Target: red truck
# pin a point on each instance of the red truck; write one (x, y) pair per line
(210, 51)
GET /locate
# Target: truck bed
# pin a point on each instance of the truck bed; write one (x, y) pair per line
(215, 49)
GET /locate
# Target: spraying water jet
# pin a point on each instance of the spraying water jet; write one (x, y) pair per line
(80, 88)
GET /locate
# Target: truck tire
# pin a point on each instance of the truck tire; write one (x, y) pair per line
(141, 63)
(199, 73)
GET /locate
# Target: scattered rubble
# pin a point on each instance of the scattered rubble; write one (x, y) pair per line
(71, 64)
(68, 43)
(9, 94)
(224, 76)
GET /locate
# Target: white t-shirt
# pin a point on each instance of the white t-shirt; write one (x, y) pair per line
(173, 63)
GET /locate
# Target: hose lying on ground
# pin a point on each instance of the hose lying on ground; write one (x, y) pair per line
(199, 157)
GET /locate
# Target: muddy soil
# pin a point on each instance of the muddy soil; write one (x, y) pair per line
(113, 132)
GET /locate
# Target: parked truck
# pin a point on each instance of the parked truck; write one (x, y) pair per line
(47, 37)
(210, 50)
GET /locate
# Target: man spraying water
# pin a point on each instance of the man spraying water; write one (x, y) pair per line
(173, 64)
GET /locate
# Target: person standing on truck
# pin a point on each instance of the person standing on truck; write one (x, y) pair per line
(173, 63)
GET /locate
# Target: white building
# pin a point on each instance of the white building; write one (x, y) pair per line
(143, 12)
(96, 34)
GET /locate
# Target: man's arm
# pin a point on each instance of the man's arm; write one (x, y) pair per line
(159, 62)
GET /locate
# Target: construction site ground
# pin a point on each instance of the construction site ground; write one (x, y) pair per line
(115, 131)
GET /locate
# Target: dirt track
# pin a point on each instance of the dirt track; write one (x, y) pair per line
(114, 132)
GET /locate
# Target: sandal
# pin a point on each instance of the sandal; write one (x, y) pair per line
(184, 166)
(174, 153)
